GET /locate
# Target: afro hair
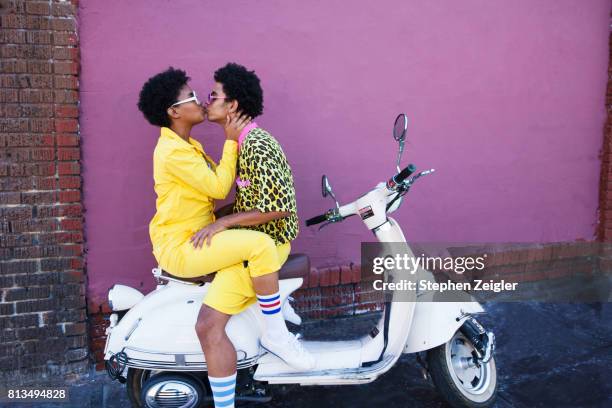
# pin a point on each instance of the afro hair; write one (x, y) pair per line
(158, 93)
(243, 86)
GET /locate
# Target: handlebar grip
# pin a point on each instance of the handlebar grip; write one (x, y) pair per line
(401, 176)
(316, 220)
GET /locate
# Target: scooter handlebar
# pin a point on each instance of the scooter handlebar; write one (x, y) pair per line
(401, 176)
(316, 220)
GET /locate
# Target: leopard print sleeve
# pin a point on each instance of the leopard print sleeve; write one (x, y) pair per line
(272, 178)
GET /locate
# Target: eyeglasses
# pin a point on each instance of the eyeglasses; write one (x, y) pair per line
(193, 98)
(212, 97)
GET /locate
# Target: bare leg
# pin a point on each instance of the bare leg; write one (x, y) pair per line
(218, 349)
(266, 284)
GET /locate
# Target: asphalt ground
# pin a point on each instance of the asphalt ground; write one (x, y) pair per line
(548, 355)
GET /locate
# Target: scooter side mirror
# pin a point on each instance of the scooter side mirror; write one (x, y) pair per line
(400, 127)
(399, 134)
(326, 189)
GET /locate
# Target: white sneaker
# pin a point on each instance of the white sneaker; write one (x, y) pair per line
(290, 350)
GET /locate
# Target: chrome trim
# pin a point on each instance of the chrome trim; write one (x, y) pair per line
(134, 327)
(171, 363)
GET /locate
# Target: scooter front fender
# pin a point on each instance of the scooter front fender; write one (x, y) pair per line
(435, 323)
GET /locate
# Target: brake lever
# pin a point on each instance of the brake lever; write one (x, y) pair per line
(325, 225)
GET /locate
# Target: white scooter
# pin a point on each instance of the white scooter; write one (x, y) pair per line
(152, 344)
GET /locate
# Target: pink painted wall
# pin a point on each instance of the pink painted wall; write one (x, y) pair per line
(505, 99)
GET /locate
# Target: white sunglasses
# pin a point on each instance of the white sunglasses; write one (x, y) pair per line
(193, 98)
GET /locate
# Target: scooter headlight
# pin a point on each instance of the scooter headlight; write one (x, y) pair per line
(122, 297)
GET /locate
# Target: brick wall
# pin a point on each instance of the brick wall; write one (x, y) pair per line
(42, 304)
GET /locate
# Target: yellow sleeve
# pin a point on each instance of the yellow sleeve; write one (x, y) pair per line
(192, 170)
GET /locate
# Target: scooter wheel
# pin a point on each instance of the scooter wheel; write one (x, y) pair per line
(172, 389)
(135, 379)
(460, 380)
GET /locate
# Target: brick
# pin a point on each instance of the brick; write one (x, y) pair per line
(27, 51)
(9, 81)
(73, 302)
(12, 37)
(31, 169)
(41, 125)
(39, 37)
(64, 38)
(18, 267)
(35, 80)
(36, 96)
(39, 305)
(37, 279)
(67, 140)
(70, 182)
(70, 196)
(68, 153)
(34, 225)
(66, 111)
(38, 8)
(68, 168)
(26, 293)
(39, 67)
(75, 329)
(63, 9)
(9, 95)
(66, 67)
(27, 140)
(346, 274)
(30, 333)
(40, 197)
(13, 7)
(66, 53)
(14, 125)
(38, 23)
(15, 240)
(19, 321)
(7, 308)
(10, 198)
(71, 224)
(16, 213)
(64, 316)
(9, 67)
(55, 264)
(72, 277)
(66, 96)
(12, 21)
(63, 24)
(66, 125)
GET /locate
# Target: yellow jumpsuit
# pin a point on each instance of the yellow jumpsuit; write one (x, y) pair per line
(187, 182)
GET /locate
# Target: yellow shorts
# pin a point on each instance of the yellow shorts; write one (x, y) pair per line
(232, 289)
(227, 248)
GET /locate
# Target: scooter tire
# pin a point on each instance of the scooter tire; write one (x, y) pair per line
(135, 378)
(450, 386)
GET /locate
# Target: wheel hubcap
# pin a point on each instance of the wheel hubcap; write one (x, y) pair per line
(171, 394)
(471, 376)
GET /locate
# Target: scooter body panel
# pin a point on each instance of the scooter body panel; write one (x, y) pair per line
(159, 332)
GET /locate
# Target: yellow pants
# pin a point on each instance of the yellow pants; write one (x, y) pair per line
(232, 289)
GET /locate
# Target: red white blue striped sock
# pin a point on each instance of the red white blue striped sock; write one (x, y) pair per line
(270, 306)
